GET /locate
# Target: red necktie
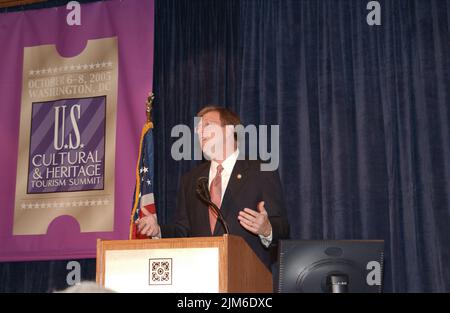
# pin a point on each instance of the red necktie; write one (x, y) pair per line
(216, 196)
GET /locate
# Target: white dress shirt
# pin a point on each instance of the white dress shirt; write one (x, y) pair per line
(228, 165)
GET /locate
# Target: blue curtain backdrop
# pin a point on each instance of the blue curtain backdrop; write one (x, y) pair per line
(363, 112)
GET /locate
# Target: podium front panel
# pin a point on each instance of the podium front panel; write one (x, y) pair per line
(163, 270)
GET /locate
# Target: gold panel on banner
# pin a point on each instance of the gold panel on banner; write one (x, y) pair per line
(67, 138)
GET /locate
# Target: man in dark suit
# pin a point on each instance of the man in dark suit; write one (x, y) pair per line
(251, 200)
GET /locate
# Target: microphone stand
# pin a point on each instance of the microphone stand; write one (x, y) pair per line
(203, 193)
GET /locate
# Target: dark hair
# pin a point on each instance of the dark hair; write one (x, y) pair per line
(227, 116)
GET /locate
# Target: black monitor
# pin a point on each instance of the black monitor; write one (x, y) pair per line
(330, 266)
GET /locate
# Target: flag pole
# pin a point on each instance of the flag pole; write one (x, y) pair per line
(149, 106)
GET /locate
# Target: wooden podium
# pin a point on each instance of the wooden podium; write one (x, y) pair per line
(199, 264)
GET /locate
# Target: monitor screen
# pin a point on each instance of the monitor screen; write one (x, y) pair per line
(330, 266)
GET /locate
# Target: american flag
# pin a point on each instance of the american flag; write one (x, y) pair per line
(143, 193)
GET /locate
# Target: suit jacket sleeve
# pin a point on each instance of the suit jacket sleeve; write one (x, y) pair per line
(272, 195)
(181, 225)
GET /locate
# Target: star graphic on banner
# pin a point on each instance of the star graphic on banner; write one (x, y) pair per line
(149, 182)
(31, 72)
(91, 66)
(145, 169)
(85, 66)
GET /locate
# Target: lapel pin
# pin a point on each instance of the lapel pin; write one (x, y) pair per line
(239, 176)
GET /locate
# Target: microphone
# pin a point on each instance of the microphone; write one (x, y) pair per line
(203, 192)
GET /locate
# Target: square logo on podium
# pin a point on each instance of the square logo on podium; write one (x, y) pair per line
(160, 271)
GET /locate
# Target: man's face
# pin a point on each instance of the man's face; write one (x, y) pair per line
(214, 137)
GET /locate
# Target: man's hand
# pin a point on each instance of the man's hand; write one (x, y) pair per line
(256, 222)
(147, 225)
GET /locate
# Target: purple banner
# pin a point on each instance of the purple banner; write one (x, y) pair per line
(71, 112)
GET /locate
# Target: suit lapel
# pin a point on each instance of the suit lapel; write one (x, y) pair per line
(204, 172)
(204, 211)
(237, 180)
